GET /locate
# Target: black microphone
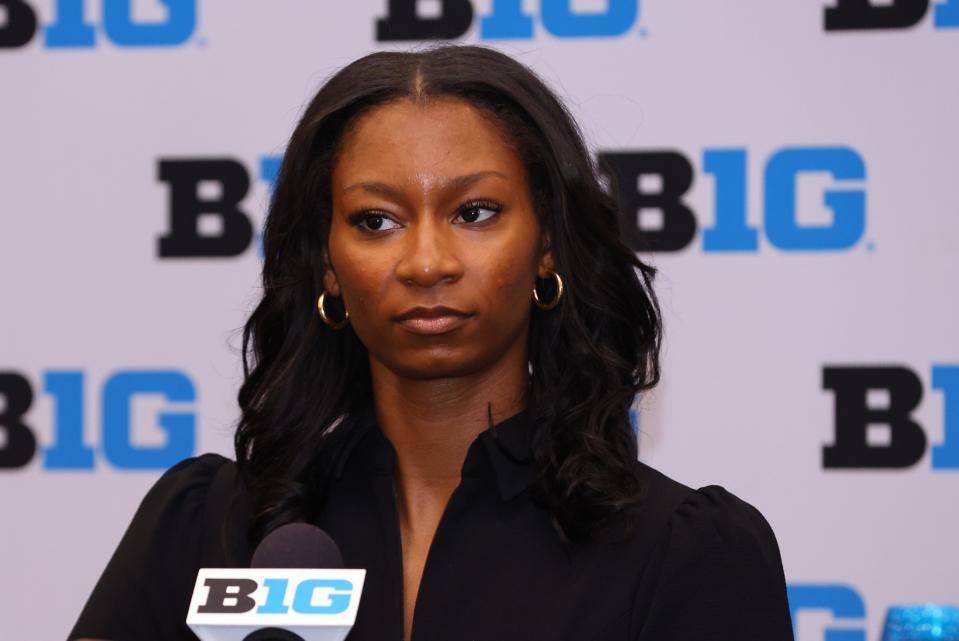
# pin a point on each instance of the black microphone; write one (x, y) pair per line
(297, 545)
(295, 590)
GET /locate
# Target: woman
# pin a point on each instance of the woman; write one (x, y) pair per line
(439, 375)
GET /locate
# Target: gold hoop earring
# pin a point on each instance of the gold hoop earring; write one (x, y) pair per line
(326, 319)
(559, 293)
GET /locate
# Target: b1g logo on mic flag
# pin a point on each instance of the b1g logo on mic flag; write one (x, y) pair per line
(854, 15)
(71, 28)
(275, 604)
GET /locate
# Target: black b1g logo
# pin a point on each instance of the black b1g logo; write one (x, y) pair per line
(849, 15)
(874, 426)
(70, 28)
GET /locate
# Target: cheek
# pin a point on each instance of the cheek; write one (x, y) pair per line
(362, 278)
(362, 287)
(510, 282)
(509, 287)
(505, 275)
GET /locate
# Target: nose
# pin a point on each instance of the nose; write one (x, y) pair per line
(429, 254)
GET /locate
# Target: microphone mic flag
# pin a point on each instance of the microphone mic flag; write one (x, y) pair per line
(296, 590)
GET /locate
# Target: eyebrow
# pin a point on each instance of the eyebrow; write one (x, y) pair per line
(455, 184)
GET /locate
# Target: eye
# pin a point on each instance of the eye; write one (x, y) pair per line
(371, 221)
(478, 212)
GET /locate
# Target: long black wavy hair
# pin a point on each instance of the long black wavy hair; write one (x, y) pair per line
(589, 357)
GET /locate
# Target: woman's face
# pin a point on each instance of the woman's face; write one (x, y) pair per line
(434, 244)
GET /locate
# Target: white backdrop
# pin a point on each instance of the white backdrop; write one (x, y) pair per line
(83, 129)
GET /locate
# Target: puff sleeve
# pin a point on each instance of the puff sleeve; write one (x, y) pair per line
(145, 589)
(716, 576)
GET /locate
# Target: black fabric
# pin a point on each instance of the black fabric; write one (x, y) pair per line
(700, 565)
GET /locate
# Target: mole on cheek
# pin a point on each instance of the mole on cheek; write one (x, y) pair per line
(505, 282)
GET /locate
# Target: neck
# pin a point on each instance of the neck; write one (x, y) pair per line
(432, 423)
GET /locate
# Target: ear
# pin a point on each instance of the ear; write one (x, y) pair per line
(546, 258)
(330, 282)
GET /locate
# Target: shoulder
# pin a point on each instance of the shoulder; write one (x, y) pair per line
(714, 554)
(179, 507)
(190, 477)
(711, 513)
(200, 500)
(180, 494)
(194, 514)
(145, 589)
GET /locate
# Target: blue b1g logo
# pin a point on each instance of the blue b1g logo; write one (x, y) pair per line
(507, 19)
(68, 451)
(70, 27)
(650, 183)
(843, 602)
(845, 611)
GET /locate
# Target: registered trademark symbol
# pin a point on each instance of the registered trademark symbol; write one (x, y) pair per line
(642, 32)
(201, 42)
(870, 246)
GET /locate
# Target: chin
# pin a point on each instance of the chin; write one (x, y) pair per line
(433, 363)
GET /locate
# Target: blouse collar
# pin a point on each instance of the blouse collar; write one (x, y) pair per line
(507, 446)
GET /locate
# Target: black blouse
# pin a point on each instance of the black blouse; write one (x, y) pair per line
(700, 565)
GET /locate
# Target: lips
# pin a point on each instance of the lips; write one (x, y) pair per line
(432, 320)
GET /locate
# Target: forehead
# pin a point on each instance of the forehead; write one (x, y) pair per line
(426, 141)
